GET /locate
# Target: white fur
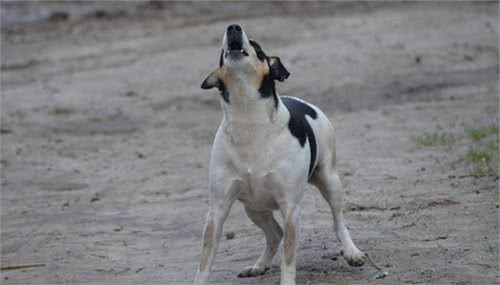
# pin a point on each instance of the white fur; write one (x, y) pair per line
(256, 160)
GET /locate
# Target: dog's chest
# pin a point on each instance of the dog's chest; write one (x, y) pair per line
(254, 143)
(255, 158)
(263, 163)
(257, 190)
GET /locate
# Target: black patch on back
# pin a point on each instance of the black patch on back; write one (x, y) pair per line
(223, 91)
(300, 127)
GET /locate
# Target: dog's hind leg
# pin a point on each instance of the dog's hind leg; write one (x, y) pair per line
(328, 182)
(273, 232)
(289, 255)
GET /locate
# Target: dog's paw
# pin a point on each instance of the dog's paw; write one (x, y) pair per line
(252, 271)
(354, 257)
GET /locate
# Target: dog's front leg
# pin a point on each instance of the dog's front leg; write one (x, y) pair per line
(220, 204)
(211, 236)
(289, 257)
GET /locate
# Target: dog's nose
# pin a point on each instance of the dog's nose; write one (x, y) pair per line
(234, 37)
(234, 27)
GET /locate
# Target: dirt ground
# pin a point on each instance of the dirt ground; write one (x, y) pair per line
(106, 134)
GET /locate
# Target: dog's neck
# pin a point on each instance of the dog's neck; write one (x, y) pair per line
(248, 113)
(246, 104)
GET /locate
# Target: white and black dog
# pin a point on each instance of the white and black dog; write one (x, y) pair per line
(266, 150)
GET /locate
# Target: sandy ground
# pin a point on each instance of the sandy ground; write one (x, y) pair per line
(106, 138)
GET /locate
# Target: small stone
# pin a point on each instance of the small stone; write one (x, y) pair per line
(381, 275)
(5, 131)
(230, 235)
(59, 16)
(130, 94)
(454, 183)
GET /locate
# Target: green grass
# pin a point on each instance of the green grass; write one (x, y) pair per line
(434, 139)
(484, 162)
(482, 157)
(482, 169)
(479, 133)
(479, 155)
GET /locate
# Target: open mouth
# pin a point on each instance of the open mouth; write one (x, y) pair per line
(235, 45)
(234, 36)
(236, 49)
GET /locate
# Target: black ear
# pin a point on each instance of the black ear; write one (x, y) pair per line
(258, 50)
(211, 81)
(278, 71)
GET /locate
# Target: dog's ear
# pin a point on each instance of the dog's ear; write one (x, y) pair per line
(278, 71)
(211, 81)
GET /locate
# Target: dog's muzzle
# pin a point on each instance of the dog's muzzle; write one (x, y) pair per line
(234, 37)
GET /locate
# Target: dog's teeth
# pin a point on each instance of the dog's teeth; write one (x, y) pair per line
(242, 51)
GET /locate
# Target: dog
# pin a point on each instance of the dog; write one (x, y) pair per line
(267, 148)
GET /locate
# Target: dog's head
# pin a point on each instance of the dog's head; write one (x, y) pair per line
(241, 57)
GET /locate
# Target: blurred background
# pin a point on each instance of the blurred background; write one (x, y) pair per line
(106, 137)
